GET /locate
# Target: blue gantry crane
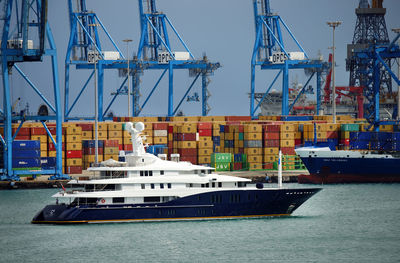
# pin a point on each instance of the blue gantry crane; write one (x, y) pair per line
(270, 53)
(25, 31)
(369, 57)
(155, 52)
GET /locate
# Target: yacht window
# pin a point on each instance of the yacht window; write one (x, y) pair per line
(143, 186)
(152, 186)
(146, 173)
(161, 172)
(241, 184)
(118, 200)
(207, 185)
(150, 173)
(219, 184)
(190, 185)
(202, 185)
(213, 185)
(169, 185)
(196, 171)
(141, 173)
(161, 186)
(151, 199)
(209, 171)
(203, 171)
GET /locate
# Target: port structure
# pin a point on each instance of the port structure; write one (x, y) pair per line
(369, 57)
(270, 53)
(84, 52)
(155, 52)
(24, 36)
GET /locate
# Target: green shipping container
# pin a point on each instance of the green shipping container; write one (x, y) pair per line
(221, 158)
(222, 166)
(350, 127)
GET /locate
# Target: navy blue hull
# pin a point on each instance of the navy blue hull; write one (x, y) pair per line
(221, 204)
(351, 170)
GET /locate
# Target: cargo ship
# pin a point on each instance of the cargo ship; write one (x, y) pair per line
(147, 188)
(327, 166)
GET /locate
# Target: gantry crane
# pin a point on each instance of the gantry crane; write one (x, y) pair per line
(154, 53)
(369, 55)
(270, 53)
(24, 35)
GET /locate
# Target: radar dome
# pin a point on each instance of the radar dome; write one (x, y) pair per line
(139, 126)
(128, 126)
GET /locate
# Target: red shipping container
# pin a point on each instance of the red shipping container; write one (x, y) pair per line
(237, 166)
(92, 151)
(170, 129)
(203, 132)
(241, 128)
(170, 144)
(22, 131)
(23, 137)
(51, 146)
(297, 142)
(288, 150)
(345, 142)
(120, 147)
(238, 118)
(188, 152)
(111, 143)
(73, 154)
(73, 169)
(186, 137)
(160, 126)
(191, 159)
(53, 130)
(38, 131)
(85, 126)
(128, 147)
(268, 166)
(271, 143)
(233, 123)
(272, 127)
(204, 125)
(271, 135)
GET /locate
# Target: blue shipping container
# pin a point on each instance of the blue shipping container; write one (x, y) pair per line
(48, 162)
(92, 143)
(25, 162)
(26, 153)
(29, 145)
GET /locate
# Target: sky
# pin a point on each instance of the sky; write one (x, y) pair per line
(224, 30)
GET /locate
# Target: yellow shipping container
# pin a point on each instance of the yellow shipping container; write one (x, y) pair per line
(43, 147)
(43, 154)
(73, 146)
(111, 156)
(74, 138)
(332, 127)
(287, 135)
(270, 158)
(212, 118)
(288, 127)
(216, 132)
(217, 149)
(321, 135)
(254, 158)
(366, 127)
(253, 136)
(252, 128)
(271, 151)
(255, 166)
(41, 138)
(185, 119)
(297, 135)
(229, 136)
(287, 143)
(115, 126)
(160, 140)
(87, 135)
(73, 162)
(204, 159)
(102, 126)
(111, 150)
(187, 144)
(205, 151)
(205, 144)
(386, 128)
(114, 134)
(253, 151)
(54, 154)
(205, 139)
(126, 140)
(345, 135)
(73, 130)
(320, 127)
(217, 124)
(102, 135)
(91, 158)
(148, 140)
(188, 128)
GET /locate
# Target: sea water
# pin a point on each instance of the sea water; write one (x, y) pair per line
(342, 223)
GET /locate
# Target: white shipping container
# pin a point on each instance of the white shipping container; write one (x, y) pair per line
(160, 133)
(111, 55)
(297, 55)
(181, 55)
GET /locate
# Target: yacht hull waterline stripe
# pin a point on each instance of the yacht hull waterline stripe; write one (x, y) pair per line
(156, 219)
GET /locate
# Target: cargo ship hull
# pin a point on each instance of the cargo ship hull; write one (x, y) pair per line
(326, 166)
(213, 205)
